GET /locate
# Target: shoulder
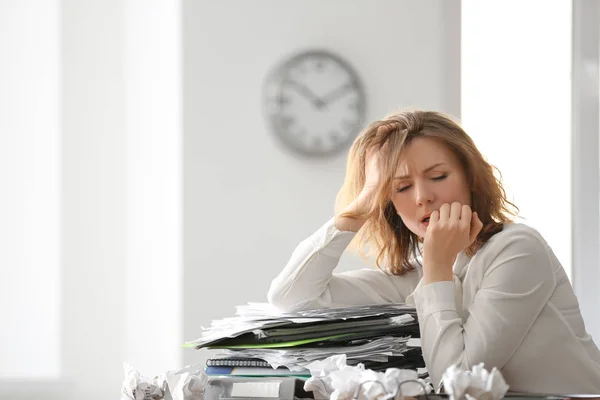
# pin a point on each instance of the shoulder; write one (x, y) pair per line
(516, 235)
(518, 244)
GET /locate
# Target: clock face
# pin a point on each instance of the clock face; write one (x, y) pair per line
(315, 103)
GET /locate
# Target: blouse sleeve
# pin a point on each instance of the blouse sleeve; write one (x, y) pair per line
(517, 283)
(308, 281)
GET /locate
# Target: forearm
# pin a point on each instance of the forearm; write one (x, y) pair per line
(436, 273)
(442, 338)
(310, 268)
(349, 224)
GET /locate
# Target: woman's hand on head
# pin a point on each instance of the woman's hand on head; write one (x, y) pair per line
(451, 230)
(372, 172)
(363, 202)
(372, 178)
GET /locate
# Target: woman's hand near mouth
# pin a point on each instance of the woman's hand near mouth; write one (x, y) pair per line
(450, 230)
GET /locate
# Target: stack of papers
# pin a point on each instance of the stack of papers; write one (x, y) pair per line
(261, 324)
(379, 336)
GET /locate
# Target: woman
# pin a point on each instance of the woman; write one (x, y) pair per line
(421, 196)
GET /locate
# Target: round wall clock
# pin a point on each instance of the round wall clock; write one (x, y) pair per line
(315, 103)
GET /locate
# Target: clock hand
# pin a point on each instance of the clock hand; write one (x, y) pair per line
(306, 92)
(337, 93)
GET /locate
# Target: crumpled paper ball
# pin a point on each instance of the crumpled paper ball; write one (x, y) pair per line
(137, 387)
(333, 379)
(188, 383)
(476, 384)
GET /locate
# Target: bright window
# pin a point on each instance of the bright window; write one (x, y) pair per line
(516, 102)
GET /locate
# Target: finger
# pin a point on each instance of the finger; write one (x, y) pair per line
(476, 226)
(434, 218)
(465, 216)
(455, 210)
(445, 212)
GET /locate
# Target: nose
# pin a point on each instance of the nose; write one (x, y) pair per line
(424, 194)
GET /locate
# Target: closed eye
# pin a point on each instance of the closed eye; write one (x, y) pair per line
(435, 178)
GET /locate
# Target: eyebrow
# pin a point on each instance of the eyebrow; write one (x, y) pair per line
(424, 171)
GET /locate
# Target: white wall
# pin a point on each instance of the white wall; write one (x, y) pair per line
(153, 289)
(30, 201)
(121, 192)
(248, 201)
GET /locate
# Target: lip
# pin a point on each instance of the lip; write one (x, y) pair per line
(424, 225)
(425, 216)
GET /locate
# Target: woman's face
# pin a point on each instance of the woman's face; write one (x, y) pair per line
(428, 175)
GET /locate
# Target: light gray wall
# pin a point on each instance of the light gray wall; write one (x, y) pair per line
(94, 198)
(247, 201)
(585, 161)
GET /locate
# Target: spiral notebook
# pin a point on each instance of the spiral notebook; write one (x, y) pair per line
(237, 362)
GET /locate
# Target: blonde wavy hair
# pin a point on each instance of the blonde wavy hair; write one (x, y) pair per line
(384, 233)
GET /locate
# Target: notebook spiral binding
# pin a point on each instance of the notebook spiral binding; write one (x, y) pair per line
(396, 392)
(230, 362)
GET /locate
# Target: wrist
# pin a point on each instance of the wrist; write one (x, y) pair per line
(437, 271)
(437, 276)
(358, 208)
(348, 224)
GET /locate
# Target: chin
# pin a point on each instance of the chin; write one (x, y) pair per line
(417, 231)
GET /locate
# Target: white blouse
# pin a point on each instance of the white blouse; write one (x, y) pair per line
(511, 306)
